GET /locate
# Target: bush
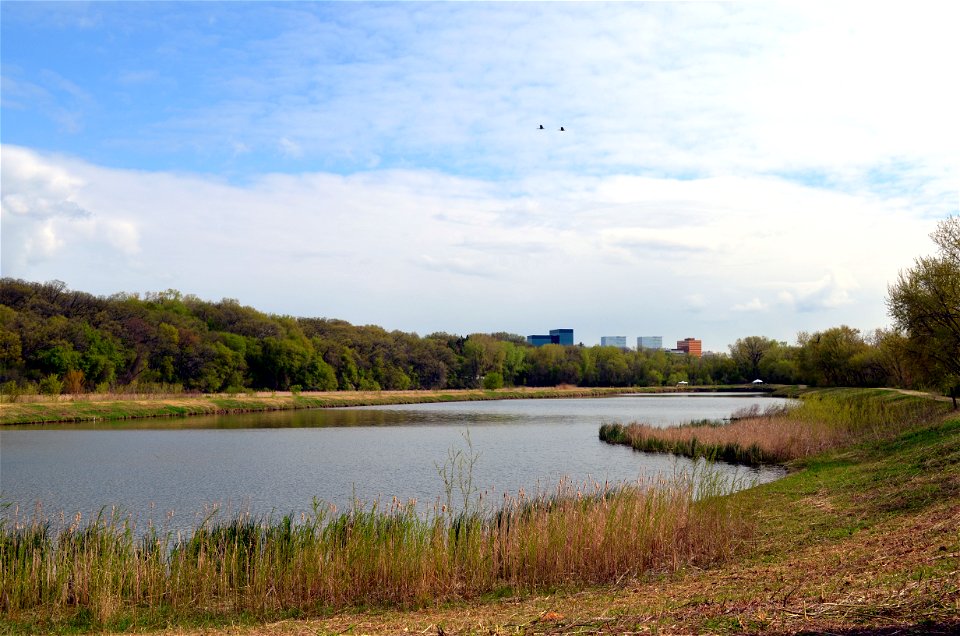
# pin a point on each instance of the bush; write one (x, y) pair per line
(493, 381)
(73, 381)
(51, 385)
(11, 391)
(368, 385)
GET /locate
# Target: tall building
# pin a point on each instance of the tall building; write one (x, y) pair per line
(539, 341)
(691, 347)
(613, 341)
(557, 336)
(649, 342)
(563, 336)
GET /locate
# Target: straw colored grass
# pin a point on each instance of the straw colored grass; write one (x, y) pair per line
(823, 420)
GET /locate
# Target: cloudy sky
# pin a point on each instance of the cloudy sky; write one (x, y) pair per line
(726, 169)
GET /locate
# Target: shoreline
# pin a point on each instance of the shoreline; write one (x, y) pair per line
(114, 407)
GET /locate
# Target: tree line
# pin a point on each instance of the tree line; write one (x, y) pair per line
(53, 340)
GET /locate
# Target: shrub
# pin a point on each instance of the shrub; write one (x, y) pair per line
(493, 380)
(73, 381)
(51, 385)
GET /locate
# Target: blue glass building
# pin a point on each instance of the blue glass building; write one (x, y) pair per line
(563, 336)
(650, 342)
(539, 341)
(557, 336)
(613, 341)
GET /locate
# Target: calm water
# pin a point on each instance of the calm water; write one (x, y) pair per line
(173, 470)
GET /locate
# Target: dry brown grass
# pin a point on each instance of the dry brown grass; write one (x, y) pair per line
(779, 438)
(860, 585)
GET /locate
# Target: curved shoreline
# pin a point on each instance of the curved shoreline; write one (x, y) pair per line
(93, 407)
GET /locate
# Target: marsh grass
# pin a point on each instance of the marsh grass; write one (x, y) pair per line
(107, 572)
(823, 420)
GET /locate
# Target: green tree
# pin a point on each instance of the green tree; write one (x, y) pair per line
(749, 352)
(831, 357)
(893, 355)
(924, 303)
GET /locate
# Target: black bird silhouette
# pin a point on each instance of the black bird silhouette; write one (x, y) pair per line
(562, 129)
(541, 127)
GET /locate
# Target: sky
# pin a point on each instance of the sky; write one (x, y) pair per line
(725, 169)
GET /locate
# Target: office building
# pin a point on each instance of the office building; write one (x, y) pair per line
(539, 341)
(649, 342)
(557, 336)
(613, 341)
(563, 336)
(690, 346)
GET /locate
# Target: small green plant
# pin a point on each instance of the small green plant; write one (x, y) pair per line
(10, 391)
(51, 385)
(493, 381)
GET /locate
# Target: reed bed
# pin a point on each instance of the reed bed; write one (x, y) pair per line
(822, 421)
(108, 572)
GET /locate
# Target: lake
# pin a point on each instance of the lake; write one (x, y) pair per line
(172, 470)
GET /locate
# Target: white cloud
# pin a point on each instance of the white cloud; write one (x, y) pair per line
(43, 216)
(754, 304)
(290, 148)
(424, 251)
(832, 290)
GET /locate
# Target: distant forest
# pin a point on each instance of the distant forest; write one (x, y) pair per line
(56, 340)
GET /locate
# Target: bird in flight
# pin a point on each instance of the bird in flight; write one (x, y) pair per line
(541, 127)
(562, 129)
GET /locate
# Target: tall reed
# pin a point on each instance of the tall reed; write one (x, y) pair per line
(823, 420)
(109, 571)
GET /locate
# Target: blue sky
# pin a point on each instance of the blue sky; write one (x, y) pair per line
(727, 169)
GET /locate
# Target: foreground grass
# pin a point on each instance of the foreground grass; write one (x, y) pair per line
(864, 540)
(106, 574)
(825, 420)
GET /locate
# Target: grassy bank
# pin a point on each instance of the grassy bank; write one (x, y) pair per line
(106, 407)
(824, 420)
(119, 407)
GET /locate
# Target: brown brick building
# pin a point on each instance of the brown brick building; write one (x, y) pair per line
(691, 346)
